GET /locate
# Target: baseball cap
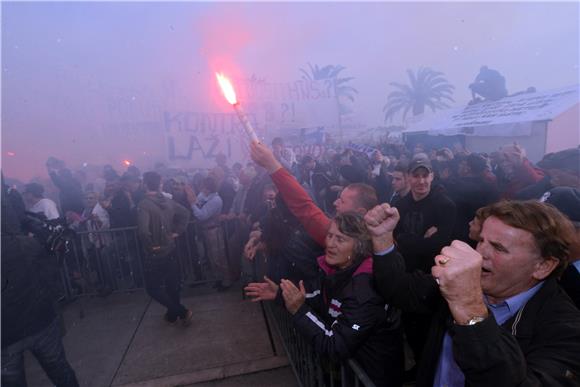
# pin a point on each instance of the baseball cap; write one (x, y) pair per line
(420, 163)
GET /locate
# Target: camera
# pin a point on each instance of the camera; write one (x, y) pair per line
(55, 234)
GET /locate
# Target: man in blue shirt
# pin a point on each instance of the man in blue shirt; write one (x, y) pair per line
(207, 207)
(500, 317)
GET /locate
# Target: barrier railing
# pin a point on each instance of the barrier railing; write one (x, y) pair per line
(310, 369)
(101, 262)
(105, 261)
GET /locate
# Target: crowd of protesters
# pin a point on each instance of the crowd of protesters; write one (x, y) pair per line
(457, 252)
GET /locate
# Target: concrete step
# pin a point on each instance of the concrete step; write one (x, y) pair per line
(220, 374)
(279, 377)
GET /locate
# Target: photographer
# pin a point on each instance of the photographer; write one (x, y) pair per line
(29, 321)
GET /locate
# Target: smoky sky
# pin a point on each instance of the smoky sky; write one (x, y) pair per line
(76, 74)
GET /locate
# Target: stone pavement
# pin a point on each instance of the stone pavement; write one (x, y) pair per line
(122, 340)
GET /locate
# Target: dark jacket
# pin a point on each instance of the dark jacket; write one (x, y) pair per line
(227, 193)
(120, 212)
(70, 192)
(26, 301)
(437, 210)
(469, 194)
(570, 282)
(297, 260)
(536, 190)
(539, 346)
(383, 184)
(157, 219)
(344, 317)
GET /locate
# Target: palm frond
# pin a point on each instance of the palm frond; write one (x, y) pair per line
(426, 88)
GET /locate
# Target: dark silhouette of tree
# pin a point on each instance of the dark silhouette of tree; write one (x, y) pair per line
(426, 88)
(343, 90)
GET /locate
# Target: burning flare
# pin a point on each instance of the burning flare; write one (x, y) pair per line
(127, 162)
(230, 95)
(227, 88)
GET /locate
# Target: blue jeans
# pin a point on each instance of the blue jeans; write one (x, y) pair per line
(47, 347)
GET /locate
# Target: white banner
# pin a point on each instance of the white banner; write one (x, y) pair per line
(280, 107)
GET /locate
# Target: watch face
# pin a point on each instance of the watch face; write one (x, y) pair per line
(475, 320)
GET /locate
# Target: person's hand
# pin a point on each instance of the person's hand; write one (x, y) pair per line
(430, 232)
(190, 195)
(256, 234)
(263, 156)
(251, 248)
(262, 291)
(381, 222)
(382, 219)
(336, 188)
(457, 270)
(293, 297)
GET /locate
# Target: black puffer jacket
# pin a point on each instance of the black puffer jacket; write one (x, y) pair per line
(344, 317)
(539, 346)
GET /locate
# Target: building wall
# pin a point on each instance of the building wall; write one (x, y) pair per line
(564, 130)
(534, 144)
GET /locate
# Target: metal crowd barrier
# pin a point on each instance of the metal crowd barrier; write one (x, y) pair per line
(310, 369)
(106, 261)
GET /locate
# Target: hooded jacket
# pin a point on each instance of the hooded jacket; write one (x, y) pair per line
(344, 317)
(157, 219)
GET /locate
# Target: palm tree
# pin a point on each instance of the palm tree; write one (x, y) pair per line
(427, 88)
(343, 91)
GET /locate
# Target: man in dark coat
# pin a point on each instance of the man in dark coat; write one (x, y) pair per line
(29, 321)
(500, 318)
(159, 222)
(567, 201)
(470, 191)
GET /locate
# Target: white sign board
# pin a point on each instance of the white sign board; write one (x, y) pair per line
(295, 109)
(292, 105)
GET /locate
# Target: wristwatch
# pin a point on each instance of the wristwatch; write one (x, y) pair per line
(475, 320)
